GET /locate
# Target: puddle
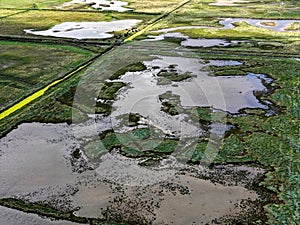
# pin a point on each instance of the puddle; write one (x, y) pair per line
(205, 42)
(92, 200)
(279, 25)
(224, 63)
(205, 202)
(100, 4)
(86, 30)
(15, 217)
(32, 157)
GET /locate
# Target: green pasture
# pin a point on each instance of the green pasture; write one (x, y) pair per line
(28, 67)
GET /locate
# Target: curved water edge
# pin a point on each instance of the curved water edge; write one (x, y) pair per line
(271, 24)
(86, 30)
(46, 175)
(166, 33)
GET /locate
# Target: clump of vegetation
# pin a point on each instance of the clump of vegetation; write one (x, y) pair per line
(109, 90)
(165, 77)
(171, 103)
(130, 68)
(293, 26)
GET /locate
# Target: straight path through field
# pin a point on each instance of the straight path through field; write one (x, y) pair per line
(42, 91)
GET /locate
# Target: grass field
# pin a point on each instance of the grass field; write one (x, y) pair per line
(28, 67)
(30, 3)
(42, 20)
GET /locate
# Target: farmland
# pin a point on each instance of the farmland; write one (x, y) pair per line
(170, 112)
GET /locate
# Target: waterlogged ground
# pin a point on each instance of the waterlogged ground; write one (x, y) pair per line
(138, 173)
(86, 30)
(181, 127)
(15, 217)
(51, 175)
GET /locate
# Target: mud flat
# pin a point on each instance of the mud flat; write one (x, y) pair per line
(205, 202)
(15, 217)
(86, 30)
(53, 175)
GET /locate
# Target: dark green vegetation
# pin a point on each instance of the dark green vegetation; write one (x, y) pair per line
(166, 77)
(130, 68)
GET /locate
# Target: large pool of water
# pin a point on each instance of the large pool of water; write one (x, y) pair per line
(101, 4)
(86, 30)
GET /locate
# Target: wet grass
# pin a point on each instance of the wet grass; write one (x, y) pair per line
(135, 67)
(273, 141)
(140, 142)
(270, 141)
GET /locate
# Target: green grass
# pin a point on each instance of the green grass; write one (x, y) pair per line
(42, 20)
(153, 6)
(293, 26)
(254, 9)
(28, 67)
(273, 141)
(109, 90)
(8, 12)
(30, 3)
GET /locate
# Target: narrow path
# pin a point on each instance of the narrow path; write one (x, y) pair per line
(13, 14)
(139, 33)
(42, 91)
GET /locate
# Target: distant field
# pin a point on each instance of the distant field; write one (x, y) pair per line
(153, 6)
(29, 3)
(28, 67)
(8, 12)
(39, 20)
(197, 10)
